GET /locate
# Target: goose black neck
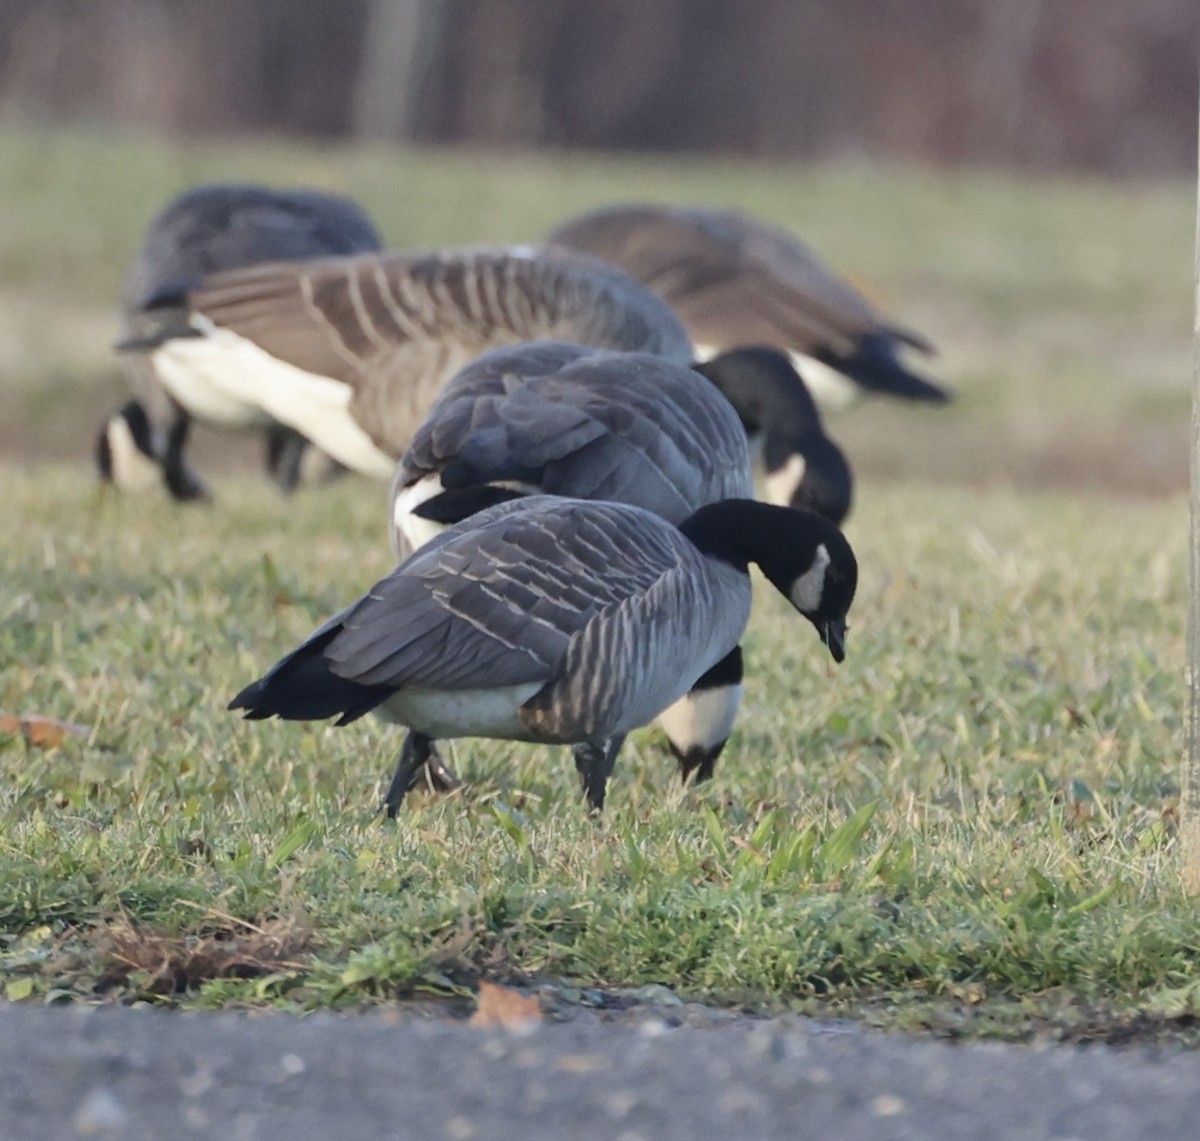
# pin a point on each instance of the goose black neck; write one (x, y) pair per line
(744, 531)
(765, 390)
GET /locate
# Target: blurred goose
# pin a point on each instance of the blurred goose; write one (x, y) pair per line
(802, 466)
(351, 352)
(560, 419)
(734, 280)
(205, 230)
(558, 621)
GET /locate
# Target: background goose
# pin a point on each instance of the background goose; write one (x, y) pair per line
(557, 621)
(734, 280)
(802, 466)
(205, 230)
(560, 419)
(352, 352)
(549, 417)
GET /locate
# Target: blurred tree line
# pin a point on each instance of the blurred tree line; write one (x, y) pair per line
(1100, 85)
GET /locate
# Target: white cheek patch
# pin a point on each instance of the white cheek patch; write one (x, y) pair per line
(810, 586)
(782, 484)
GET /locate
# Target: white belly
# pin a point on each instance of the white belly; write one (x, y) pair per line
(442, 714)
(222, 374)
(702, 719)
(208, 400)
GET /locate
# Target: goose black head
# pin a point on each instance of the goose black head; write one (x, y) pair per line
(802, 466)
(805, 557)
(820, 581)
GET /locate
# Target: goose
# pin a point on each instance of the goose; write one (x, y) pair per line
(802, 466)
(351, 352)
(735, 280)
(560, 419)
(206, 229)
(631, 428)
(556, 621)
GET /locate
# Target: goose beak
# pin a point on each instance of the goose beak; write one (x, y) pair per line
(833, 634)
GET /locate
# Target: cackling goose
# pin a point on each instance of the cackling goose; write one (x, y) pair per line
(205, 230)
(351, 352)
(734, 280)
(802, 466)
(558, 621)
(560, 419)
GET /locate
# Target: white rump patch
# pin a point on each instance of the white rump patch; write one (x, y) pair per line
(132, 469)
(781, 485)
(416, 532)
(808, 589)
(445, 713)
(703, 719)
(226, 379)
(831, 389)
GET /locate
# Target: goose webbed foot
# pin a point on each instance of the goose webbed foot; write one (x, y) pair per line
(419, 763)
(594, 762)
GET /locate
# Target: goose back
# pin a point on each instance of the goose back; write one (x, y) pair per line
(594, 605)
(585, 424)
(394, 328)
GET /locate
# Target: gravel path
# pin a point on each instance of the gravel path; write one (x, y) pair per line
(142, 1073)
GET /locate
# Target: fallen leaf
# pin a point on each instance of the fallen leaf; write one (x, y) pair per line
(41, 732)
(503, 1006)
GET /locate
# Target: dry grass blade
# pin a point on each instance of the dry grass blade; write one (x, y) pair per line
(41, 732)
(161, 964)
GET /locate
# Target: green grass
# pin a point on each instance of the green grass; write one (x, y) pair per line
(969, 820)
(968, 826)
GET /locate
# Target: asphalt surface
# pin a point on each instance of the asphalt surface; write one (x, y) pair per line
(147, 1073)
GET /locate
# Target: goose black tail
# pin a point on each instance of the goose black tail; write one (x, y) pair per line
(302, 687)
(875, 366)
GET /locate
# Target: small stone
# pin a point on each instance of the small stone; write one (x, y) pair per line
(888, 1105)
(292, 1064)
(100, 1112)
(657, 995)
(459, 1129)
(200, 1081)
(620, 1103)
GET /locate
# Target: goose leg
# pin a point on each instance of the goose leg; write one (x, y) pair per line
(418, 758)
(181, 481)
(699, 723)
(594, 763)
(413, 755)
(285, 454)
(435, 773)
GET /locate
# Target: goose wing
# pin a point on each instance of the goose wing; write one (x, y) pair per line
(496, 601)
(628, 428)
(395, 327)
(357, 310)
(227, 226)
(734, 280)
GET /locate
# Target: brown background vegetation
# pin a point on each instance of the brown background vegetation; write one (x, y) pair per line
(1101, 85)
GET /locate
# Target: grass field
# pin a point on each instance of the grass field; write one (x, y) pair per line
(967, 826)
